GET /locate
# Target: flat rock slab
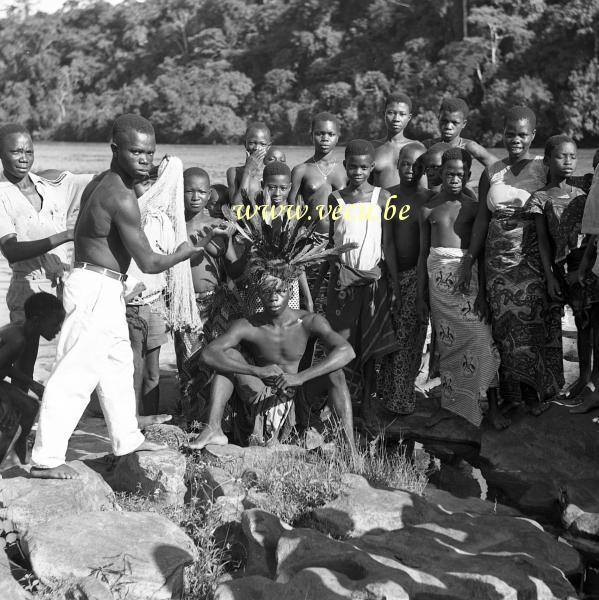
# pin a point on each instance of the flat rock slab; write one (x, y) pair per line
(530, 461)
(141, 555)
(159, 475)
(251, 453)
(166, 433)
(28, 502)
(449, 503)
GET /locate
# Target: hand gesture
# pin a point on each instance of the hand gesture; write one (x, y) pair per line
(554, 289)
(269, 373)
(482, 308)
(255, 159)
(188, 250)
(224, 230)
(462, 285)
(287, 380)
(138, 288)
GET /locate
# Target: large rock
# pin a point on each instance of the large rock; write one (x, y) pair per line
(580, 510)
(165, 433)
(360, 508)
(412, 563)
(9, 588)
(159, 475)
(28, 502)
(140, 555)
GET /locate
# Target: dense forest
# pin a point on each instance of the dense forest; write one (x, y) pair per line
(201, 69)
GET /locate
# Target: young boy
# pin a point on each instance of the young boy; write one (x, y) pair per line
(313, 180)
(469, 360)
(453, 116)
(399, 370)
(398, 112)
(274, 154)
(358, 299)
(244, 182)
(44, 315)
(209, 275)
(431, 161)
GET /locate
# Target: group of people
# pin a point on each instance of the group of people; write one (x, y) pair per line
(295, 286)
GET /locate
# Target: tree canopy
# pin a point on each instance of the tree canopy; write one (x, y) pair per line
(200, 70)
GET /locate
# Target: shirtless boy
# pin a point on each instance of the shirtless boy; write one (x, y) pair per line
(314, 179)
(44, 315)
(453, 116)
(244, 182)
(469, 359)
(399, 370)
(276, 340)
(398, 112)
(93, 346)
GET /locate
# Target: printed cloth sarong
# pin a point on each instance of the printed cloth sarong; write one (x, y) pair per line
(399, 370)
(360, 302)
(468, 357)
(526, 327)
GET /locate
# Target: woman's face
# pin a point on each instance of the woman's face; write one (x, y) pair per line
(517, 137)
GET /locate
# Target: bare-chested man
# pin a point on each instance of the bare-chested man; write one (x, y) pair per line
(398, 112)
(94, 347)
(313, 180)
(276, 340)
(245, 182)
(453, 116)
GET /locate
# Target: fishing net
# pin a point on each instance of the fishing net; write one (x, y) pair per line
(166, 196)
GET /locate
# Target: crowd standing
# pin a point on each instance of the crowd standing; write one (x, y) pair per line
(311, 286)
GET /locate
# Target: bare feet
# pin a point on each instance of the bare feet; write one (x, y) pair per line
(60, 472)
(591, 402)
(439, 416)
(209, 436)
(536, 410)
(150, 447)
(148, 420)
(576, 388)
(497, 419)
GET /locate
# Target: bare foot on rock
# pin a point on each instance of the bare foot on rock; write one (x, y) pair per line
(60, 472)
(150, 447)
(497, 419)
(575, 389)
(148, 420)
(209, 436)
(591, 402)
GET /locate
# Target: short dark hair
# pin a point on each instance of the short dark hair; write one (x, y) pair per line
(257, 125)
(12, 128)
(457, 154)
(359, 148)
(130, 122)
(520, 113)
(556, 140)
(324, 116)
(276, 167)
(196, 172)
(42, 304)
(454, 105)
(399, 97)
(438, 148)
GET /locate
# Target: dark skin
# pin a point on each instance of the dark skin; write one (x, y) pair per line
(404, 233)
(16, 340)
(246, 180)
(561, 165)
(359, 170)
(108, 232)
(276, 340)
(312, 184)
(397, 116)
(447, 222)
(451, 124)
(17, 156)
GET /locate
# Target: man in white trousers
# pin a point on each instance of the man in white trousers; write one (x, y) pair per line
(94, 347)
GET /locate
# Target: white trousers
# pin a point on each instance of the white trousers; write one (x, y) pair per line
(93, 351)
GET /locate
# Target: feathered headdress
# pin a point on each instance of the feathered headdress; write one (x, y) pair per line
(284, 247)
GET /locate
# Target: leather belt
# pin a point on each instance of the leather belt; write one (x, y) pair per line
(101, 270)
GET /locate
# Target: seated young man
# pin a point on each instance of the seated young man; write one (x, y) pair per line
(44, 315)
(275, 340)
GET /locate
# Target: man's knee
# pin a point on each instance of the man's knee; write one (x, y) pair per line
(336, 378)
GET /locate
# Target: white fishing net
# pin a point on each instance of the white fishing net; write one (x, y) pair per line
(166, 196)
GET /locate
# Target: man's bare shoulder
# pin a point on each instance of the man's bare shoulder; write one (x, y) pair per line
(313, 322)
(12, 335)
